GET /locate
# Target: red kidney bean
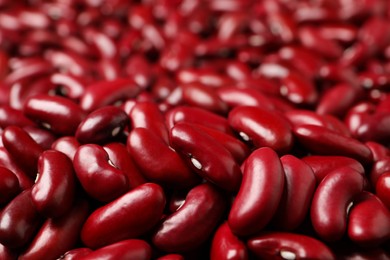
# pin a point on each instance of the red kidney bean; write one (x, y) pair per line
(68, 85)
(148, 115)
(75, 254)
(338, 72)
(298, 90)
(324, 164)
(341, 31)
(37, 68)
(19, 221)
(7, 254)
(139, 69)
(65, 229)
(171, 257)
(322, 141)
(67, 145)
(54, 190)
(262, 127)
(43, 137)
(207, 77)
(206, 157)
(300, 184)
(104, 45)
(104, 93)
(9, 185)
(233, 97)
(126, 249)
(382, 188)
(260, 193)
(10, 116)
(168, 169)
(99, 178)
(226, 245)
(108, 69)
(283, 26)
(351, 252)
(68, 62)
(332, 200)
(102, 125)
(229, 24)
(369, 221)
(129, 216)
(371, 34)
(238, 70)
(22, 149)
(6, 161)
(203, 208)
(283, 245)
(59, 115)
(378, 168)
(197, 116)
(162, 87)
(378, 150)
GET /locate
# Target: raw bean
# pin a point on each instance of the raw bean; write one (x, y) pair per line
(378, 150)
(382, 188)
(43, 137)
(9, 185)
(13, 117)
(67, 145)
(233, 97)
(298, 90)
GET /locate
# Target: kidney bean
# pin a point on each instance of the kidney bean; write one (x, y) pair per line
(322, 165)
(102, 125)
(75, 254)
(197, 116)
(13, 117)
(351, 252)
(205, 156)
(104, 45)
(382, 188)
(19, 221)
(65, 229)
(148, 115)
(171, 257)
(60, 115)
(104, 93)
(369, 221)
(54, 190)
(203, 208)
(298, 90)
(37, 68)
(168, 169)
(6, 253)
(322, 141)
(129, 216)
(207, 77)
(332, 200)
(22, 148)
(378, 150)
(121, 158)
(238, 70)
(371, 34)
(341, 32)
(226, 245)
(283, 245)
(68, 62)
(262, 127)
(299, 187)
(67, 145)
(69, 85)
(43, 137)
(139, 69)
(9, 185)
(126, 249)
(260, 193)
(99, 178)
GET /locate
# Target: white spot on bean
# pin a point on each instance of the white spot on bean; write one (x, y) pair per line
(350, 205)
(111, 163)
(46, 125)
(196, 163)
(244, 136)
(115, 131)
(287, 255)
(36, 177)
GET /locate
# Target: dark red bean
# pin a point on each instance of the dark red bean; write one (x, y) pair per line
(332, 200)
(7, 254)
(58, 114)
(37, 68)
(262, 127)
(167, 169)
(13, 117)
(171, 257)
(378, 150)
(129, 216)
(9, 185)
(75, 254)
(226, 245)
(260, 193)
(244, 97)
(67, 145)
(203, 208)
(99, 178)
(43, 137)
(68, 62)
(280, 245)
(382, 188)
(378, 168)
(19, 221)
(102, 125)
(298, 89)
(69, 85)
(206, 157)
(54, 190)
(139, 69)
(65, 229)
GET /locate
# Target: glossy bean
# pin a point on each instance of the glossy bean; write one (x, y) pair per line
(298, 89)
(129, 216)
(382, 188)
(75, 254)
(43, 137)
(378, 168)
(67, 145)
(260, 193)
(9, 185)
(69, 85)
(244, 97)
(378, 150)
(10, 116)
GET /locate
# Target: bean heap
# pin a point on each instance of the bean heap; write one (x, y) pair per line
(183, 129)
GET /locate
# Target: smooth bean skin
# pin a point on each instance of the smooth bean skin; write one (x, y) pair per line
(123, 250)
(54, 190)
(22, 148)
(67, 145)
(276, 245)
(75, 254)
(298, 89)
(108, 92)
(7, 254)
(300, 184)
(129, 216)
(262, 128)
(102, 125)
(203, 208)
(369, 221)
(168, 169)
(378, 168)
(382, 188)
(324, 164)
(120, 157)
(207, 157)
(9, 185)
(322, 141)
(42, 136)
(171, 257)
(65, 229)
(97, 176)
(19, 221)
(329, 207)
(226, 246)
(378, 150)
(58, 114)
(11, 116)
(259, 194)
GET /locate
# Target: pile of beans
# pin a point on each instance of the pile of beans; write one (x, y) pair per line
(183, 129)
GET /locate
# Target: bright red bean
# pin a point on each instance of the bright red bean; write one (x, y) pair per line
(234, 96)
(75, 254)
(67, 145)
(382, 188)
(13, 117)
(298, 89)
(9, 185)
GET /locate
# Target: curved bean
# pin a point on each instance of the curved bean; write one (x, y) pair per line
(378, 150)
(11, 116)
(382, 188)
(244, 97)
(43, 137)
(260, 193)
(69, 85)
(298, 89)
(9, 185)
(67, 145)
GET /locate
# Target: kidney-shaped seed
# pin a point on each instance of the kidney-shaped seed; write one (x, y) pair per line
(9, 185)
(67, 145)
(129, 216)
(382, 188)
